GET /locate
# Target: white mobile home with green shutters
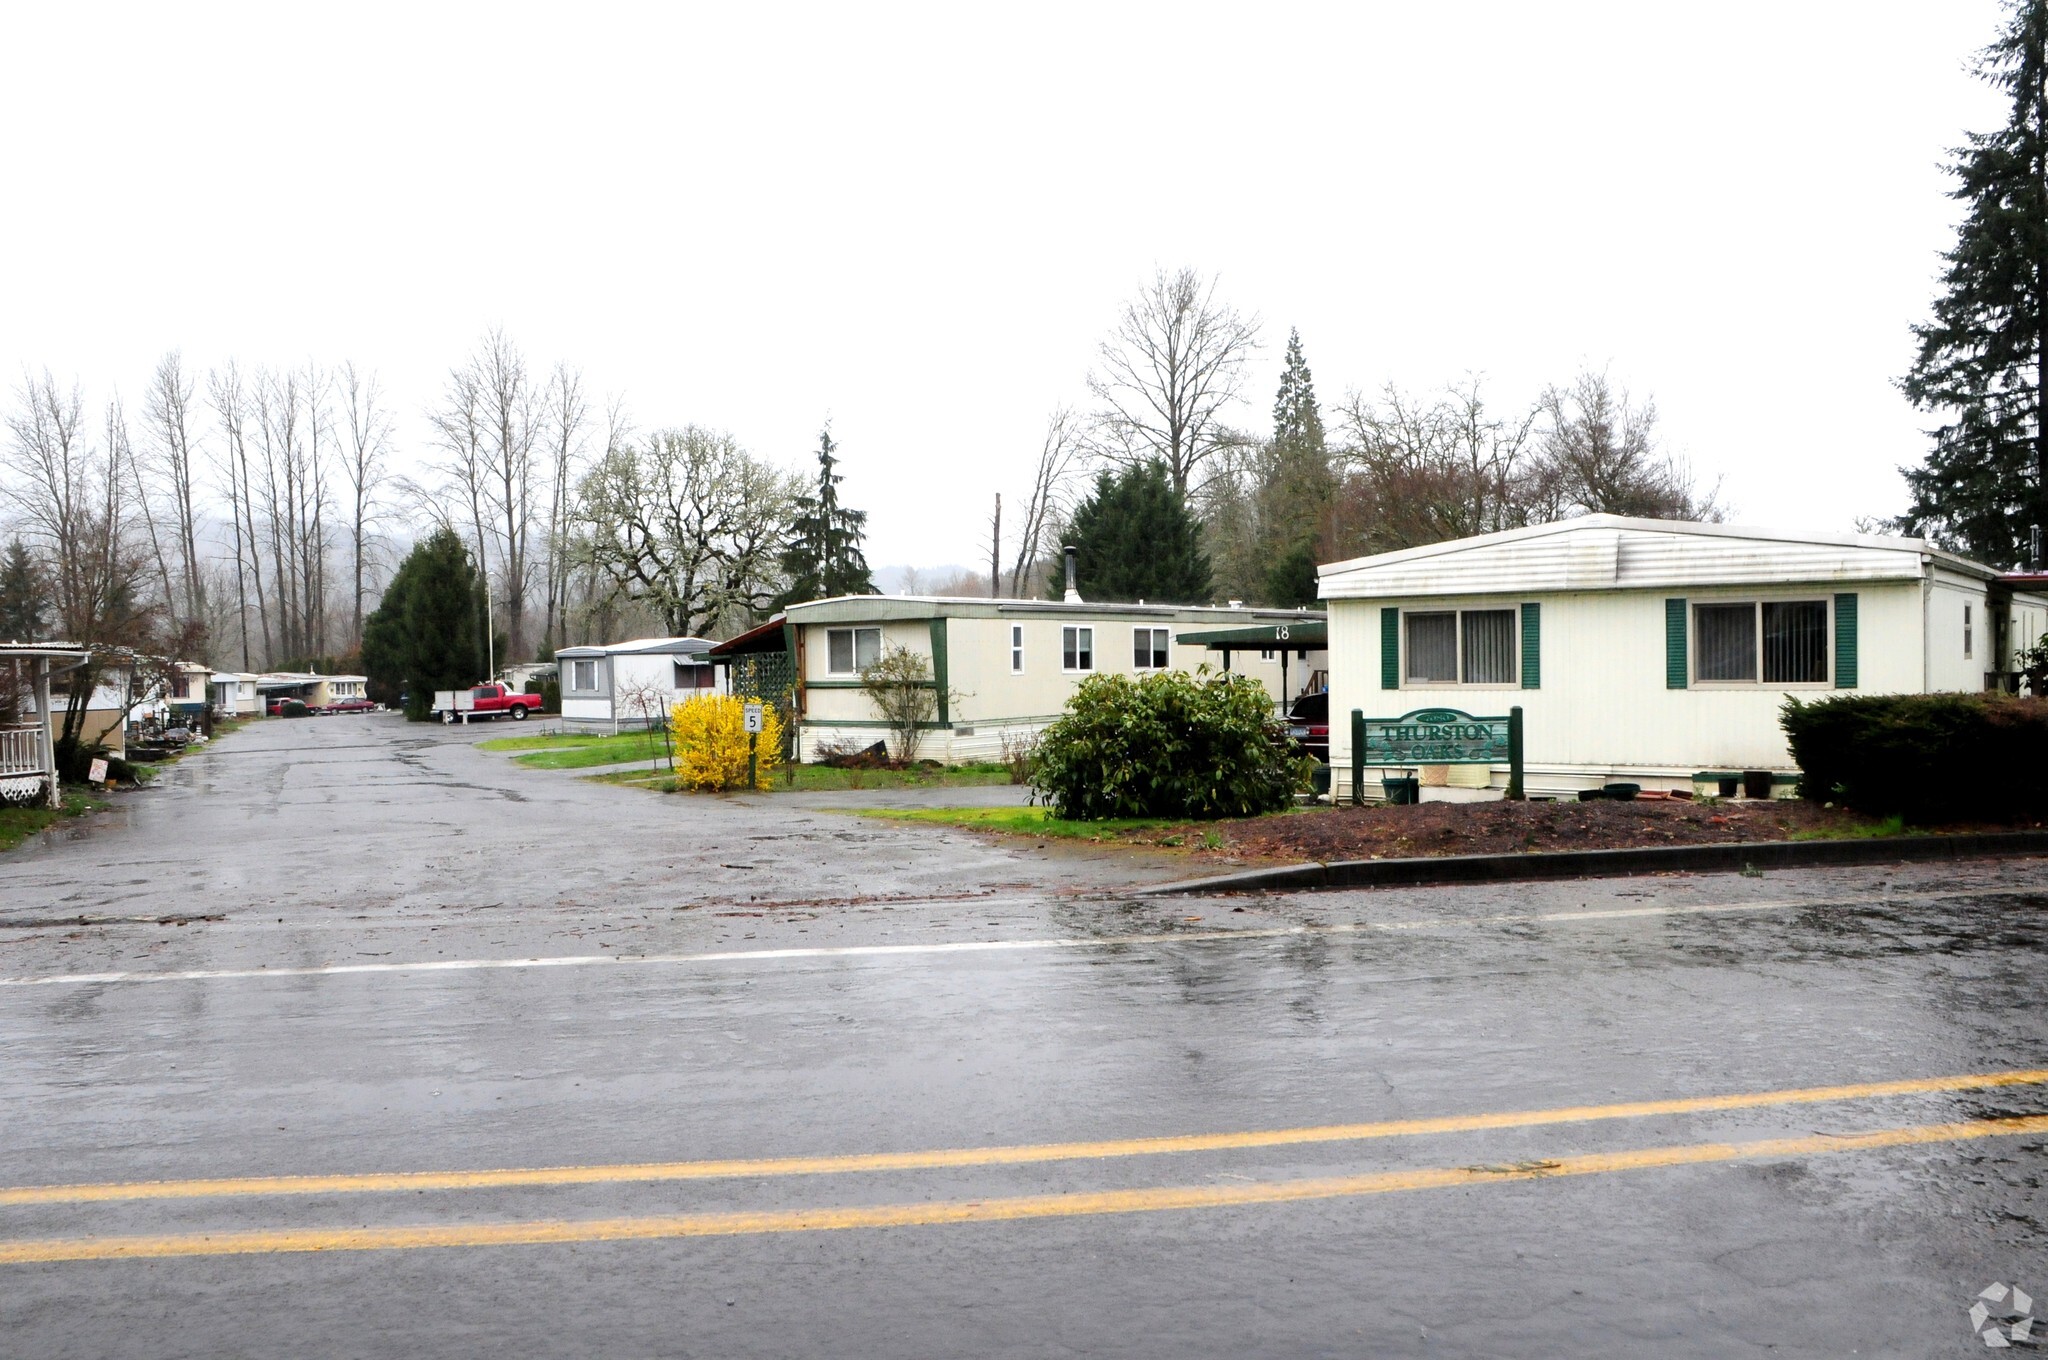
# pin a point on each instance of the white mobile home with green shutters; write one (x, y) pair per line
(1649, 651)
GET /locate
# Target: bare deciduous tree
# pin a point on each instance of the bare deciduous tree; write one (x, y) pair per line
(1059, 457)
(362, 466)
(1422, 470)
(1599, 455)
(168, 409)
(568, 418)
(69, 503)
(1168, 373)
(488, 426)
(687, 522)
(230, 404)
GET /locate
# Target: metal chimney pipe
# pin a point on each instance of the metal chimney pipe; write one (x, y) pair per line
(1073, 588)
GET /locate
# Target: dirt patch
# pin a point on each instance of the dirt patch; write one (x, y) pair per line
(1492, 828)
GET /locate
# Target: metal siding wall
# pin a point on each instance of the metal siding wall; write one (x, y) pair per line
(1604, 704)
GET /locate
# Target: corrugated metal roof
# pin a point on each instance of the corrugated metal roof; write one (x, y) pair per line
(878, 608)
(1610, 552)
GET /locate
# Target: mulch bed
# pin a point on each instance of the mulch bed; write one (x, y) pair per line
(1389, 832)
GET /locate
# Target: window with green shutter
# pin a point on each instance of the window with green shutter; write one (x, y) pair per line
(1674, 644)
(1532, 646)
(1845, 642)
(1390, 647)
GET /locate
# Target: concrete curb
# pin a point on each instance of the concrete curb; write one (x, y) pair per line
(1660, 859)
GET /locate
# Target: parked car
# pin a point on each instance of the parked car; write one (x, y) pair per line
(350, 706)
(1308, 722)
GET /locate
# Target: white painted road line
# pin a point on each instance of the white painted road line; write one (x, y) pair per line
(858, 951)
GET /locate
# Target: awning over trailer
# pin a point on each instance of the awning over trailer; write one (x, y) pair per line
(767, 637)
(1311, 633)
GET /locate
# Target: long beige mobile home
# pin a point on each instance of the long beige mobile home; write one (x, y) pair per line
(1005, 668)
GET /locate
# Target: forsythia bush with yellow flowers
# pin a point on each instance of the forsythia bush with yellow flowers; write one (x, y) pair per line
(710, 735)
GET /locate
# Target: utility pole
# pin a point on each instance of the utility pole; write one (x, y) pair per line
(995, 551)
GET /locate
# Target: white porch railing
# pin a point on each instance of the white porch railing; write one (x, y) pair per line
(21, 750)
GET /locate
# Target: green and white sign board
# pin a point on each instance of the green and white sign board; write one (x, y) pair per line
(1436, 736)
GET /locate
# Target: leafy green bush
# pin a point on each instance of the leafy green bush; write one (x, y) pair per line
(1168, 745)
(1927, 757)
(293, 708)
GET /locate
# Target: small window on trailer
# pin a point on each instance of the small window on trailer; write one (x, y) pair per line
(849, 651)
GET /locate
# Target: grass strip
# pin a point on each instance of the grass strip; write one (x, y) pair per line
(18, 823)
(1018, 821)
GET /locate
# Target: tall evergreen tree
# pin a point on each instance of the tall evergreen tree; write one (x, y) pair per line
(1983, 363)
(1136, 540)
(1297, 485)
(427, 634)
(24, 599)
(824, 555)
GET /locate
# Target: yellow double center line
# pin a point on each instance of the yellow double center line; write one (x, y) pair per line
(1001, 1209)
(944, 1158)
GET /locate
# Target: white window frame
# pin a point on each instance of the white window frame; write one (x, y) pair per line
(1154, 648)
(1457, 613)
(853, 632)
(1070, 638)
(1969, 633)
(1756, 604)
(1016, 649)
(576, 686)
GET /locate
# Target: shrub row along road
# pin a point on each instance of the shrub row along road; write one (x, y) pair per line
(457, 1058)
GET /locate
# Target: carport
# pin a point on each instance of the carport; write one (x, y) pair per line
(1310, 634)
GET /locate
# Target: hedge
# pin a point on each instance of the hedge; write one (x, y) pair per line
(1926, 757)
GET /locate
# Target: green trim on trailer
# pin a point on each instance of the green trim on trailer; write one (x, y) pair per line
(1845, 641)
(1390, 647)
(1676, 669)
(1532, 646)
(939, 670)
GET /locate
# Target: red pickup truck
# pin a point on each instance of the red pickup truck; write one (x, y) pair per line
(483, 701)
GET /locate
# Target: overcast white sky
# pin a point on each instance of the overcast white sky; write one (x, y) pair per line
(920, 220)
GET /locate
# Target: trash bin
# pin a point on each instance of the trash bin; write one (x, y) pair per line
(1730, 787)
(1756, 783)
(1406, 789)
(1319, 781)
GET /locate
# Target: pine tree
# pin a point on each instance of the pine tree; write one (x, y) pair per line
(1292, 582)
(1983, 362)
(824, 555)
(1136, 540)
(1297, 485)
(427, 633)
(24, 601)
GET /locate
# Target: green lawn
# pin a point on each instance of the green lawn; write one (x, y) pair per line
(802, 778)
(578, 751)
(1019, 821)
(17, 823)
(541, 741)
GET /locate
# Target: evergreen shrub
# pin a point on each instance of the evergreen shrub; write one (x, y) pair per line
(1926, 757)
(1170, 744)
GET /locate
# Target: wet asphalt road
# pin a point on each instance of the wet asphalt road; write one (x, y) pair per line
(432, 961)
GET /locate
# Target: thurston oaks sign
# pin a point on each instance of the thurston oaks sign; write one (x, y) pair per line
(1435, 736)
